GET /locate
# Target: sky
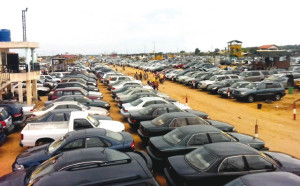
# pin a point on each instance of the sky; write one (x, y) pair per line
(137, 26)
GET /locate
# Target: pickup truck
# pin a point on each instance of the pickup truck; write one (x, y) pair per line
(41, 133)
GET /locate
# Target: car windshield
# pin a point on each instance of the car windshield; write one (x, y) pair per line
(160, 120)
(45, 168)
(95, 122)
(175, 136)
(136, 102)
(114, 135)
(56, 144)
(251, 85)
(46, 108)
(147, 110)
(201, 159)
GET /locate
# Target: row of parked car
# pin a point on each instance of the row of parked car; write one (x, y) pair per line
(187, 145)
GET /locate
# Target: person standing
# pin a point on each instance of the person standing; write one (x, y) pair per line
(141, 76)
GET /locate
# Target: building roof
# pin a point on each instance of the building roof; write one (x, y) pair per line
(267, 46)
(67, 56)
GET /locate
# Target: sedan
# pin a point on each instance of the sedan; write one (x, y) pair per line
(70, 105)
(213, 89)
(187, 138)
(87, 138)
(219, 163)
(88, 166)
(114, 92)
(83, 100)
(223, 92)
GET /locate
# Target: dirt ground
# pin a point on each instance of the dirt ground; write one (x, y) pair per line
(275, 120)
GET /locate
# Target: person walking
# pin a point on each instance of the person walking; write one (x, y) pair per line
(141, 76)
(136, 76)
(156, 83)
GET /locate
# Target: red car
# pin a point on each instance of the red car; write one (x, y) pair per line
(72, 91)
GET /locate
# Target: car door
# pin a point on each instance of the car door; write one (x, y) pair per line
(261, 90)
(231, 168)
(94, 142)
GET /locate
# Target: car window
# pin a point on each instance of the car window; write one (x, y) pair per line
(200, 159)
(174, 109)
(68, 99)
(61, 107)
(160, 102)
(159, 111)
(258, 163)
(58, 117)
(218, 137)
(255, 73)
(81, 124)
(233, 164)
(261, 86)
(148, 103)
(81, 100)
(178, 122)
(66, 93)
(270, 85)
(74, 107)
(194, 120)
(121, 78)
(198, 139)
(76, 92)
(94, 142)
(59, 93)
(76, 144)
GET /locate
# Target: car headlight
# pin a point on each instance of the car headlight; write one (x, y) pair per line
(243, 93)
(106, 105)
(19, 167)
(224, 92)
(234, 130)
(214, 88)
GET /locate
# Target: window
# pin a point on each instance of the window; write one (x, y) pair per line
(255, 74)
(61, 107)
(174, 109)
(58, 117)
(121, 78)
(59, 93)
(81, 100)
(68, 99)
(159, 111)
(195, 120)
(148, 103)
(81, 124)
(67, 115)
(258, 163)
(233, 164)
(160, 102)
(198, 139)
(66, 93)
(178, 122)
(269, 85)
(94, 142)
(74, 107)
(77, 144)
(114, 135)
(175, 136)
(218, 137)
(200, 158)
(261, 86)
(76, 92)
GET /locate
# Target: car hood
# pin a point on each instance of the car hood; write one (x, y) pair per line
(287, 162)
(112, 125)
(160, 143)
(35, 154)
(14, 178)
(180, 165)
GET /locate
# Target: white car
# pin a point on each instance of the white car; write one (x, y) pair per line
(146, 101)
(58, 80)
(121, 84)
(71, 105)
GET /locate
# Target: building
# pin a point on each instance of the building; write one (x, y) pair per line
(269, 47)
(13, 72)
(274, 58)
(235, 48)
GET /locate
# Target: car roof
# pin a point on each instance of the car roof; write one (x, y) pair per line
(192, 129)
(65, 103)
(169, 105)
(179, 114)
(226, 149)
(151, 98)
(63, 110)
(69, 88)
(87, 132)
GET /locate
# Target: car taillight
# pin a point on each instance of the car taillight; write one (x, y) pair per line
(125, 110)
(3, 123)
(133, 120)
(114, 88)
(31, 110)
(132, 146)
(17, 115)
(109, 86)
(22, 136)
(118, 97)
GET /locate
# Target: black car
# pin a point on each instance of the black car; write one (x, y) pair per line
(95, 137)
(169, 121)
(267, 178)
(187, 138)
(152, 111)
(83, 100)
(90, 166)
(219, 163)
(135, 97)
(6, 121)
(77, 84)
(213, 89)
(223, 92)
(15, 110)
(123, 89)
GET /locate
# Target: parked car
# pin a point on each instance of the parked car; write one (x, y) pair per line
(216, 78)
(187, 138)
(15, 111)
(123, 89)
(88, 88)
(134, 97)
(50, 78)
(213, 89)
(254, 75)
(6, 122)
(83, 100)
(219, 163)
(46, 132)
(89, 166)
(2, 135)
(73, 91)
(262, 90)
(95, 137)
(124, 83)
(128, 93)
(74, 79)
(223, 92)
(146, 101)
(267, 178)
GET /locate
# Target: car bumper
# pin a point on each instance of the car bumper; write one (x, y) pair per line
(19, 122)
(144, 138)
(124, 114)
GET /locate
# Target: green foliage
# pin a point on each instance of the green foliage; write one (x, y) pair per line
(197, 51)
(182, 52)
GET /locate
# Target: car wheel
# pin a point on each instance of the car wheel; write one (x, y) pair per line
(250, 99)
(277, 97)
(43, 141)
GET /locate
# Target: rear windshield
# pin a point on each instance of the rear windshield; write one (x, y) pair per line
(136, 102)
(201, 159)
(3, 115)
(175, 136)
(114, 135)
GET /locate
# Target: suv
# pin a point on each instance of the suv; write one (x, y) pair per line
(260, 90)
(6, 122)
(254, 75)
(72, 91)
(15, 110)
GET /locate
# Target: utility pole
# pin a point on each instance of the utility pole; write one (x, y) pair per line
(24, 24)
(154, 46)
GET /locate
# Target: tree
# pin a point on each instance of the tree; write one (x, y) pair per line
(217, 50)
(197, 51)
(182, 52)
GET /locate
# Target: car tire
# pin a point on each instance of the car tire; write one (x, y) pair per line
(277, 97)
(43, 141)
(250, 99)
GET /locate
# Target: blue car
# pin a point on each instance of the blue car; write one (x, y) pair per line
(95, 137)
